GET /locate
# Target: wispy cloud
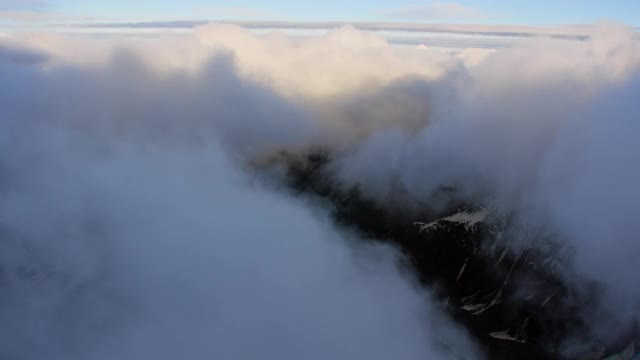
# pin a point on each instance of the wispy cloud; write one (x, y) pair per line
(434, 10)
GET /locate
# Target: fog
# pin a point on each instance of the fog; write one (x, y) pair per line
(134, 226)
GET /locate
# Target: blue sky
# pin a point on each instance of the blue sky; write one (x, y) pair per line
(461, 11)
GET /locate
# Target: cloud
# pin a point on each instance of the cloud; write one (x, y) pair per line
(133, 229)
(542, 131)
(312, 68)
(591, 194)
(18, 55)
(137, 227)
(435, 11)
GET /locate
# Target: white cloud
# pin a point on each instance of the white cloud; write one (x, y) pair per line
(542, 130)
(132, 228)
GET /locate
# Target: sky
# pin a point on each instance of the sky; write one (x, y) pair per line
(526, 12)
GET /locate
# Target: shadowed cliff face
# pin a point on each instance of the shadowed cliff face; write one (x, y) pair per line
(516, 304)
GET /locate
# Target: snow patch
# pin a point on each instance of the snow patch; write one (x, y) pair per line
(464, 266)
(468, 219)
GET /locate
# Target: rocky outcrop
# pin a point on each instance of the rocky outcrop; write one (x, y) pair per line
(514, 303)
